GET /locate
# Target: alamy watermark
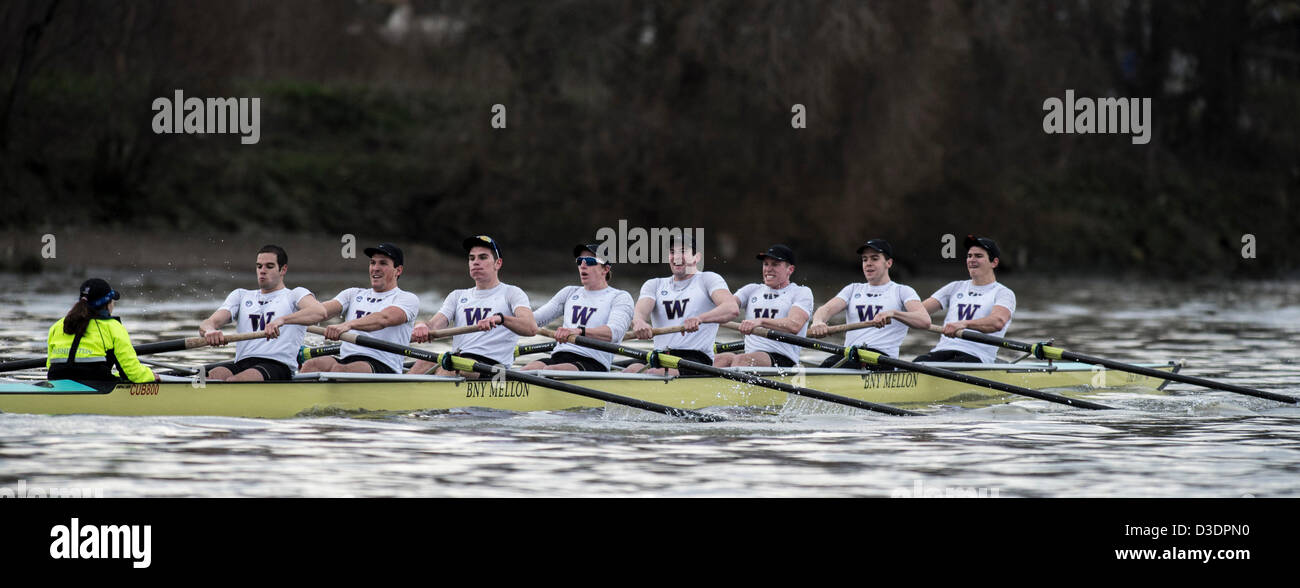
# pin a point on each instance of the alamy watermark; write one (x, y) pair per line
(1123, 116)
(22, 490)
(641, 245)
(920, 490)
(199, 116)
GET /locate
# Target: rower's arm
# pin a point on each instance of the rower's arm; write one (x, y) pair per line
(932, 305)
(726, 308)
(643, 308)
(790, 324)
(994, 322)
(437, 322)
(915, 316)
(310, 311)
(523, 323)
(832, 307)
(333, 308)
(392, 315)
(214, 322)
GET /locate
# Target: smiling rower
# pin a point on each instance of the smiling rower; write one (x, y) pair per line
(777, 304)
(980, 303)
(879, 301)
(383, 311)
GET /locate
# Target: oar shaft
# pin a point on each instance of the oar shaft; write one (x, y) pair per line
(876, 358)
(679, 363)
(1049, 352)
(534, 348)
(466, 364)
(144, 349)
(848, 327)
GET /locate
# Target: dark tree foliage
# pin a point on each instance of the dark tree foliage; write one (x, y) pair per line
(923, 119)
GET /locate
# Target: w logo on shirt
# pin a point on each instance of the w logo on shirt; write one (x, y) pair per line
(966, 312)
(676, 309)
(260, 321)
(582, 314)
(764, 313)
(867, 312)
(474, 315)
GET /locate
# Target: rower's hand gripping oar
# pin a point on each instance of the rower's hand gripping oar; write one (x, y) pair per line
(874, 358)
(145, 349)
(469, 365)
(1043, 351)
(659, 359)
(831, 330)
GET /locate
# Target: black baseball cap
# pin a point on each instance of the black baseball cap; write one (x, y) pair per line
(482, 241)
(986, 243)
(96, 292)
(594, 248)
(880, 245)
(387, 249)
(778, 252)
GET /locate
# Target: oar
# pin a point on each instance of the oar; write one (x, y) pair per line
(305, 353)
(847, 327)
(730, 347)
(672, 361)
(717, 348)
(534, 348)
(1042, 351)
(469, 365)
(874, 358)
(146, 349)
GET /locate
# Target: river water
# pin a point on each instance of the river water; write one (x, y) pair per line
(1189, 443)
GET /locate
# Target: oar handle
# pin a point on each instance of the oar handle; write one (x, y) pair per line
(452, 332)
(828, 329)
(658, 331)
(850, 327)
(196, 342)
(347, 336)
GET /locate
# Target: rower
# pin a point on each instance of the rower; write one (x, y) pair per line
(593, 309)
(696, 300)
(280, 311)
(776, 304)
(980, 303)
(878, 301)
(89, 342)
(383, 311)
(488, 305)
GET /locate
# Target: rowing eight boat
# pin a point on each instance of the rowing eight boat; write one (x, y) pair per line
(330, 393)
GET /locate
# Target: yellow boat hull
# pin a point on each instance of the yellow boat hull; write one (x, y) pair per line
(354, 393)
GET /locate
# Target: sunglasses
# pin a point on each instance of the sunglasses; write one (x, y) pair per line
(588, 261)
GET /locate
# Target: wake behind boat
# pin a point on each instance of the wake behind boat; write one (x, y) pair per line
(328, 393)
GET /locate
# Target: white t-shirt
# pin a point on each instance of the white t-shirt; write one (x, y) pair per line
(252, 311)
(468, 306)
(760, 301)
(581, 307)
(864, 303)
(966, 302)
(359, 302)
(675, 301)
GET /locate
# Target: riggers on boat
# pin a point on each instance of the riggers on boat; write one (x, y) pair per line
(330, 393)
